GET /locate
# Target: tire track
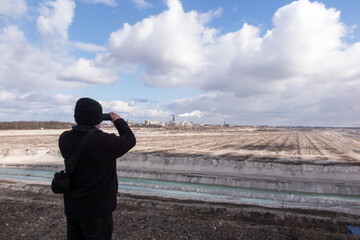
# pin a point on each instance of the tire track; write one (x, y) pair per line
(232, 143)
(264, 146)
(342, 143)
(298, 151)
(332, 150)
(256, 145)
(313, 145)
(282, 146)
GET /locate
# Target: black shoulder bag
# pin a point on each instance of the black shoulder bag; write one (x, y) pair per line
(61, 181)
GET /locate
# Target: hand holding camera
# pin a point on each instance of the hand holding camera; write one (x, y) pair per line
(110, 117)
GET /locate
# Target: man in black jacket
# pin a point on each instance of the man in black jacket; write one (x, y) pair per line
(93, 183)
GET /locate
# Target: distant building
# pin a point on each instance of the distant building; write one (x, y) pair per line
(184, 123)
(149, 122)
(173, 121)
(130, 122)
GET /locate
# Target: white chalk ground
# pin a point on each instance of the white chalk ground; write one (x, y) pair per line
(31, 147)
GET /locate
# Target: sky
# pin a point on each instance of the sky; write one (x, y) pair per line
(249, 62)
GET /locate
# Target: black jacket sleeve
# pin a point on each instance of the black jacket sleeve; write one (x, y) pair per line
(127, 138)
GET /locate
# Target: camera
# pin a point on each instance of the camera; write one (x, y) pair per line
(106, 117)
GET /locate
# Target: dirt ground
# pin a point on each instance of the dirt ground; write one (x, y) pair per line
(33, 212)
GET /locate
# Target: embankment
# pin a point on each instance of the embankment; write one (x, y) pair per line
(317, 176)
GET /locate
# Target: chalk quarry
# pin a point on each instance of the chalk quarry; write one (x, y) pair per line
(315, 168)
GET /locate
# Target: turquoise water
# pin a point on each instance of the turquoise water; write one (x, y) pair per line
(26, 174)
(209, 187)
(203, 191)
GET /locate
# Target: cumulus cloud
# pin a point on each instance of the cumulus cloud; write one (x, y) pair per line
(168, 45)
(335, 109)
(305, 38)
(133, 111)
(85, 70)
(13, 8)
(38, 106)
(22, 63)
(177, 49)
(55, 19)
(52, 66)
(300, 63)
(158, 114)
(300, 71)
(213, 107)
(195, 113)
(44, 69)
(119, 106)
(32, 106)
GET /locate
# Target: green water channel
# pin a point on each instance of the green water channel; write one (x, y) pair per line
(206, 192)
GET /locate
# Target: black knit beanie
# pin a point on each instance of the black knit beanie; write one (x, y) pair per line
(88, 112)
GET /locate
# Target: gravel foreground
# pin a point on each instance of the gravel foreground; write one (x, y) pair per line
(34, 212)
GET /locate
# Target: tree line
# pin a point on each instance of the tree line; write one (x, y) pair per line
(35, 125)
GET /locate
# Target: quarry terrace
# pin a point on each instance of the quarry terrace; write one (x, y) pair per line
(270, 170)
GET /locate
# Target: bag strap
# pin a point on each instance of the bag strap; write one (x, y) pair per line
(74, 159)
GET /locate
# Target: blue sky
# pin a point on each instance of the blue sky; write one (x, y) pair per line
(250, 62)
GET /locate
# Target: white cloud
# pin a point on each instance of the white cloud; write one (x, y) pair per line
(51, 66)
(177, 49)
(213, 107)
(300, 71)
(133, 111)
(21, 63)
(119, 106)
(88, 47)
(335, 109)
(84, 70)
(305, 34)
(55, 19)
(13, 8)
(304, 44)
(35, 106)
(168, 45)
(25, 67)
(156, 114)
(111, 3)
(136, 112)
(195, 113)
(6, 96)
(299, 64)
(141, 4)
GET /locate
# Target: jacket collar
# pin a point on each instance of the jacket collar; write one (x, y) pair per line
(82, 128)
